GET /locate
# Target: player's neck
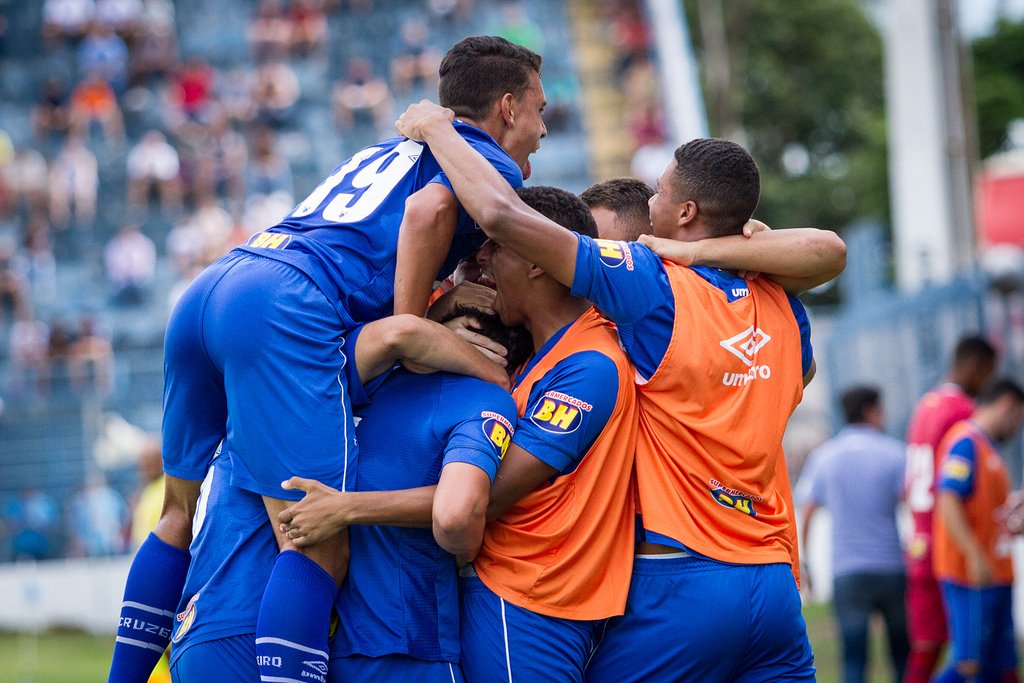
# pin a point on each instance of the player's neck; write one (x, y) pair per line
(552, 315)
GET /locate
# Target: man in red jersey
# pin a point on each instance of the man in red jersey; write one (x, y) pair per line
(974, 362)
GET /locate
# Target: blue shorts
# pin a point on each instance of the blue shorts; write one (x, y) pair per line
(229, 660)
(691, 619)
(981, 626)
(253, 355)
(504, 642)
(391, 668)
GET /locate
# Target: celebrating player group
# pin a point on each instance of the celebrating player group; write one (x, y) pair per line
(564, 464)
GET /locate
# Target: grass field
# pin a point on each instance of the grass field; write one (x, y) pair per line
(73, 657)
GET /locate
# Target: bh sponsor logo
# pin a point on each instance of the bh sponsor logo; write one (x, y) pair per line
(559, 413)
(498, 431)
(186, 618)
(614, 254)
(734, 499)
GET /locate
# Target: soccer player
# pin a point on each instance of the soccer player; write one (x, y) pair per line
(972, 549)
(556, 557)
(721, 363)
(398, 609)
(253, 355)
(974, 362)
(620, 208)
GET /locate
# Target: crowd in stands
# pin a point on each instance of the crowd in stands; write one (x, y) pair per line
(142, 160)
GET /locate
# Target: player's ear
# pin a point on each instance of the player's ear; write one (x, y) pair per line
(535, 272)
(508, 107)
(688, 213)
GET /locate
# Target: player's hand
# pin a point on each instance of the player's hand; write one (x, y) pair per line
(1012, 513)
(414, 123)
(683, 253)
(754, 226)
(979, 570)
(319, 515)
(751, 228)
(468, 294)
(465, 325)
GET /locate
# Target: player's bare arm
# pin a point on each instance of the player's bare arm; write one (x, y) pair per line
(324, 512)
(519, 474)
(951, 507)
(488, 197)
(460, 509)
(422, 346)
(799, 259)
(428, 225)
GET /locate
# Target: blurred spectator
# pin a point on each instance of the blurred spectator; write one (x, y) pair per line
(416, 63)
(73, 184)
(223, 162)
(155, 48)
(360, 95)
(214, 228)
(96, 517)
(14, 292)
(308, 27)
(450, 11)
(30, 359)
(64, 19)
(32, 518)
(153, 164)
(51, 115)
(518, 28)
(25, 178)
(37, 263)
(268, 172)
(236, 95)
(104, 54)
(122, 16)
(189, 94)
(275, 93)
(90, 359)
(270, 32)
(93, 101)
(130, 259)
(631, 35)
(58, 346)
(858, 476)
(149, 498)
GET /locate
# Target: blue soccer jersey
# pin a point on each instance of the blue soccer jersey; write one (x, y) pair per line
(628, 283)
(344, 235)
(401, 594)
(588, 376)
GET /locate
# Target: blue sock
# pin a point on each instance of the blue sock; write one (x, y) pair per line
(292, 629)
(950, 675)
(151, 596)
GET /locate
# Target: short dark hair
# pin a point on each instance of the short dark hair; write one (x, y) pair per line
(1000, 388)
(516, 340)
(627, 198)
(562, 207)
(721, 178)
(974, 348)
(479, 70)
(858, 400)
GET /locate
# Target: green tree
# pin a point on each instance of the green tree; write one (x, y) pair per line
(804, 92)
(998, 83)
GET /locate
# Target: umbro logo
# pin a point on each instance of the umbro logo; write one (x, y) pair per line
(746, 344)
(319, 667)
